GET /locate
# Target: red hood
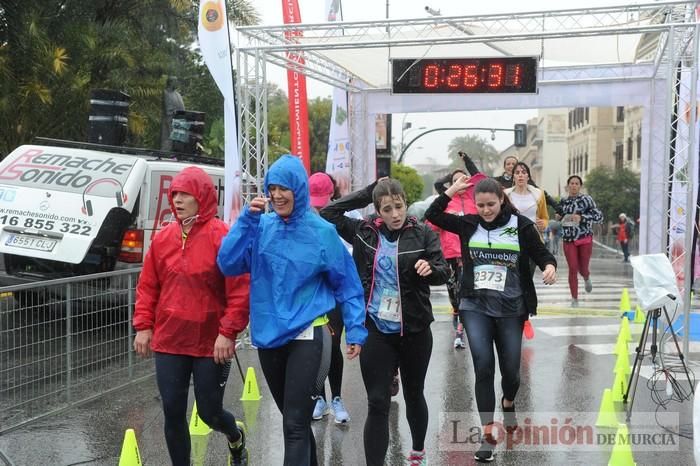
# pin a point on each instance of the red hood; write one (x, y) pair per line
(195, 181)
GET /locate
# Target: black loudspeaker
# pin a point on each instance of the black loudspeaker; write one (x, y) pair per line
(109, 117)
(383, 165)
(188, 131)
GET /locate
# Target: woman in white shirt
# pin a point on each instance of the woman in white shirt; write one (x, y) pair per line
(529, 200)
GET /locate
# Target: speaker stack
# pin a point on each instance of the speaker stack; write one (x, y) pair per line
(109, 117)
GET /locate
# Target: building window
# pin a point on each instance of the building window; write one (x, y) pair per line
(639, 146)
(629, 148)
(619, 156)
(587, 115)
(571, 119)
(585, 158)
(620, 114)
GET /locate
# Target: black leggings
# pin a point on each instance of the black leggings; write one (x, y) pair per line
(378, 359)
(454, 281)
(173, 373)
(295, 374)
(507, 333)
(335, 373)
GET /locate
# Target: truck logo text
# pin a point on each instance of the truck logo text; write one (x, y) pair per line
(35, 166)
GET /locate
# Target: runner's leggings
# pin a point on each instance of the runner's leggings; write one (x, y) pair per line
(173, 373)
(335, 372)
(295, 373)
(380, 355)
(482, 332)
(578, 258)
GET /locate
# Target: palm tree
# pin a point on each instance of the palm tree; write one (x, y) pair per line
(52, 52)
(482, 153)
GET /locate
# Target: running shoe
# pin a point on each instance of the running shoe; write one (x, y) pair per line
(589, 286)
(321, 409)
(339, 412)
(238, 453)
(574, 303)
(417, 458)
(459, 342)
(485, 453)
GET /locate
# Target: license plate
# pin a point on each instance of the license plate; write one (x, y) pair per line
(30, 242)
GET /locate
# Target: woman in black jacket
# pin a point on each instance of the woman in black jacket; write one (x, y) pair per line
(398, 259)
(496, 294)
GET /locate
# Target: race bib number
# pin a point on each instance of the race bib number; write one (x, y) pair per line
(306, 334)
(568, 221)
(490, 277)
(389, 306)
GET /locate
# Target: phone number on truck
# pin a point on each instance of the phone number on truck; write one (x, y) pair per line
(47, 225)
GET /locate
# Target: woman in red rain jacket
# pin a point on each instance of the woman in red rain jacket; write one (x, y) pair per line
(188, 314)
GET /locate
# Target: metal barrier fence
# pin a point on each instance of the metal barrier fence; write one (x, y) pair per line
(64, 342)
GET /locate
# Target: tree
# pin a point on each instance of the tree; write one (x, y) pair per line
(410, 180)
(319, 131)
(482, 153)
(278, 132)
(53, 52)
(614, 191)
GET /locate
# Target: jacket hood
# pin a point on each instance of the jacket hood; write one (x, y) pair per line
(195, 181)
(289, 172)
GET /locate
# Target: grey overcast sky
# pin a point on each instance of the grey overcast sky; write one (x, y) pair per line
(433, 145)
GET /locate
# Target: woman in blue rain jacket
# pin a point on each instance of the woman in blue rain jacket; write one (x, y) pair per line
(299, 269)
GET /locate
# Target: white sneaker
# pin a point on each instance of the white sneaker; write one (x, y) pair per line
(339, 412)
(321, 409)
(459, 343)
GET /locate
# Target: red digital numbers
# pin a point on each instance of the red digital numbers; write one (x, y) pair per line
(431, 76)
(471, 76)
(495, 79)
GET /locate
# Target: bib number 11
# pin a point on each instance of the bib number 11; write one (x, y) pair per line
(390, 306)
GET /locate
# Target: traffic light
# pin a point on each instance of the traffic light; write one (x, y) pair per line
(520, 135)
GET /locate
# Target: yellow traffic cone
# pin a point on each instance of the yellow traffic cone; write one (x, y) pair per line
(197, 426)
(621, 345)
(622, 450)
(606, 413)
(250, 387)
(198, 445)
(639, 315)
(250, 412)
(625, 329)
(130, 450)
(625, 301)
(622, 364)
(619, 386)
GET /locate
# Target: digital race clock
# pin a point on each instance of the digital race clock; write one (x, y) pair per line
(464, 75)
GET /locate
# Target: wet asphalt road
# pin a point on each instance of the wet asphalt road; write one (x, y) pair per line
(564, 371)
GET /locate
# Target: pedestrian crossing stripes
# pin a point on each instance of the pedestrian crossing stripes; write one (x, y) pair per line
(606, 293)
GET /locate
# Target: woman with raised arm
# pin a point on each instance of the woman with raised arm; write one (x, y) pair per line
(299, 270)
(497, 294)
(398, 259)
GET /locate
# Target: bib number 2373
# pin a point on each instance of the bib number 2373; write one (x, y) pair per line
(390, 306)
(490, 277)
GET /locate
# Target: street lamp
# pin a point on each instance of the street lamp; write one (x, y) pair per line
(405, 126)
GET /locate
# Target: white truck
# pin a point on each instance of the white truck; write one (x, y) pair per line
(70, 209)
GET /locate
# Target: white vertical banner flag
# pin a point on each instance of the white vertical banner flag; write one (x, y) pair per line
(214, 42)
(338, 157)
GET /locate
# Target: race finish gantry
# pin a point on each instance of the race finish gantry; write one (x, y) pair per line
(642, 55)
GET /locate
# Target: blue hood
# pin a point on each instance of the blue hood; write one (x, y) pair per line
(289, 172)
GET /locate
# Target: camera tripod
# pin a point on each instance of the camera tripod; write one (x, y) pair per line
(652, 319)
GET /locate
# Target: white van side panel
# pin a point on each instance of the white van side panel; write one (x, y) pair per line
(54, 200)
